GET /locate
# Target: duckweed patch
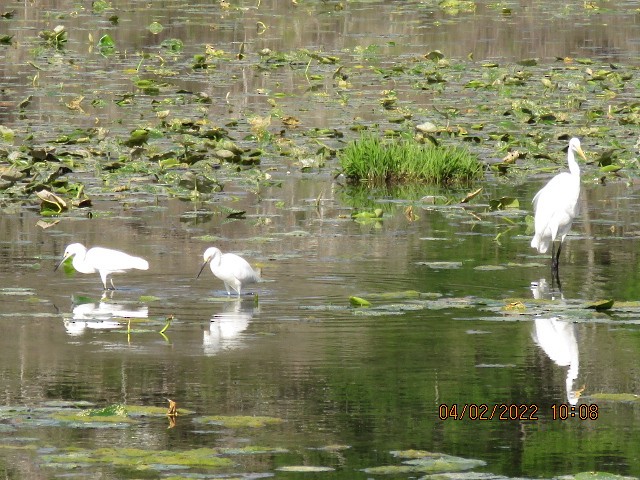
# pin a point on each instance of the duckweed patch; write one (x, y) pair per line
(135, 458)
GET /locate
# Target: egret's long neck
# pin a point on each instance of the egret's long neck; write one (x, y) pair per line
(574, 168)
(80, 265)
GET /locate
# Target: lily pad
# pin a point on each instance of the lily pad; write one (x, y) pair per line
(441, 265)
(51, 201)
(430, 463)
(156, 28)
(601, 305)
(359, 302)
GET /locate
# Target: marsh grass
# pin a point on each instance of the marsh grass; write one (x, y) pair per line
(376, 161)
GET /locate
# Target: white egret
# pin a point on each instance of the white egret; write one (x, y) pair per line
(102, 260)
(556, 205)
(232, 269)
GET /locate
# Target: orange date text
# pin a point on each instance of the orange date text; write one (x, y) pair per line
(483, 411)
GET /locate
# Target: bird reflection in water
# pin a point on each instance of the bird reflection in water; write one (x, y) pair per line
(557, 338)
(225, 328)
(103, 315)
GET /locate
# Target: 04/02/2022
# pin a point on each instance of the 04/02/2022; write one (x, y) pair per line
(513, 411)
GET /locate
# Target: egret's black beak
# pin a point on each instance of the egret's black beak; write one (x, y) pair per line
(64, 259)
(202, 268)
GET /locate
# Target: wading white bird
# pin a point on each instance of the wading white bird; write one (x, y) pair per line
(102, 260)
(232, 269)
(556, 205)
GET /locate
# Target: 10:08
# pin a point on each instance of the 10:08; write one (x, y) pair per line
(563, 411)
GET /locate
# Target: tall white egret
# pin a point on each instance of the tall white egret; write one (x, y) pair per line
(102, 260)
(556, 205)
(232, 269)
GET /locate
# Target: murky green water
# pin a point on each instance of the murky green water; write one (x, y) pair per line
(340, 387)
(371, 379)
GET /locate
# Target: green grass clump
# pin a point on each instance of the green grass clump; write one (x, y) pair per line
(375, 161)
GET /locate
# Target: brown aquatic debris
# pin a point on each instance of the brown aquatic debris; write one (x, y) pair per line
(173, 408)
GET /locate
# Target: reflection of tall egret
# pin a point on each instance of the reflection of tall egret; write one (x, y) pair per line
(541, 290)
(226, 327)
(102, 260)
(556, 205)
(102, 316)
(558, 340)
(232, 269)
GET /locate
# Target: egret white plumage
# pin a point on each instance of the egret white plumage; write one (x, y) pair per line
(102, 260)
(232, 269)
(556, 205)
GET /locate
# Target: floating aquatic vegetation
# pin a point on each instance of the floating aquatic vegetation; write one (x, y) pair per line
(429, 463)
(155, 27)
(305, 469)
(252, 450)
(441, 265)
(51, 204)
(595, 476)
(107, 45)
(238, 421)
(173, 45)
(55, 38)
(368, 217)
(375, 161)
(17, 291)
(138, 459)
(504, 203)
(601, 305)
(615, 397)
(455, 7)
(359, 302)
(100, 6)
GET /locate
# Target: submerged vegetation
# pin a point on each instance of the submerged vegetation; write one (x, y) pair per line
(375, 161)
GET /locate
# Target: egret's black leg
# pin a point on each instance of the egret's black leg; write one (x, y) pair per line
(555, 278)
(555, 270)
(557, 261)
